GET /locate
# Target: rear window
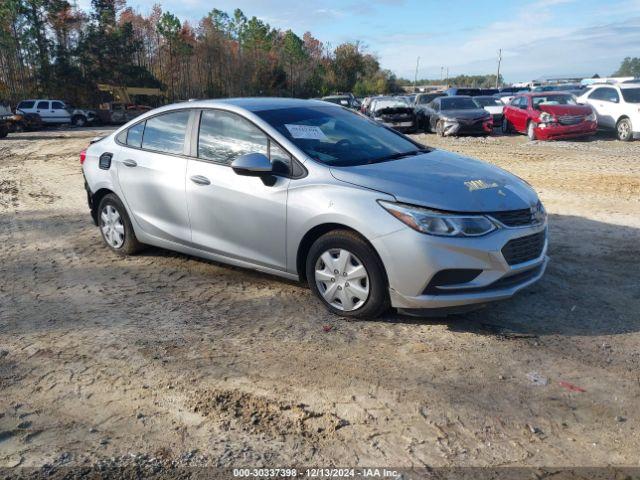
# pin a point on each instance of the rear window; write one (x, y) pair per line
(166, 132)
(57, 105)
(631, 95)
(26, 104)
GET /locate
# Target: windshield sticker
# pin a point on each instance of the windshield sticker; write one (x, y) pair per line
(474, 185)
(306, 132)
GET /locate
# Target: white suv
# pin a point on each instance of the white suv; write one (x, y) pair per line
(617, 107)
(57, 112)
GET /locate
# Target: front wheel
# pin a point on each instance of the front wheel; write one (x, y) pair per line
(347, 276)
(115, 226)
(624, 130)
(4, 131)
(531, 131)
(440, 128)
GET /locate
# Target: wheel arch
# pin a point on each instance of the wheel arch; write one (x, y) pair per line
(315, 233)
(622, 117)
(96, 198)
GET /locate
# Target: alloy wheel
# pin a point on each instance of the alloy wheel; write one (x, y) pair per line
(342, 279)
(112, 226)
(624, 130)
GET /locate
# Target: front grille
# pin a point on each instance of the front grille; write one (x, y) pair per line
(501, 284)
(524, 249)
(570, 119)
(514, 218)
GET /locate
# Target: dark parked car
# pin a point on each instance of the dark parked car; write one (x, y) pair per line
(348, 101)
(458, 115)
(393, 112)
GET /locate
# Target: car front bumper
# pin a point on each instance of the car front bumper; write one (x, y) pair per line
(453, 127)
(552, 131)
(412, 260)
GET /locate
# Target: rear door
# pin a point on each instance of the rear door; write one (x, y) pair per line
(519, 114)
(151, 172)
(236, 216)
(43, 108)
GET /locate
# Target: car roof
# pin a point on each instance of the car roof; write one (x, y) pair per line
(256, 104)
(629, 85)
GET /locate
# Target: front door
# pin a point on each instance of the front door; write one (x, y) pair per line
(232, 215)
(151, 172)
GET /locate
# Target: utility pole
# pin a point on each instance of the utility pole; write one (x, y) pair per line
(415, 78)
(447, 81)
(499, 62)
(441, 74)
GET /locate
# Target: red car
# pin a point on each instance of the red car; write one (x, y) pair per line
(549, 116)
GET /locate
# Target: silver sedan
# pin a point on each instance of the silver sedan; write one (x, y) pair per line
(314, 192)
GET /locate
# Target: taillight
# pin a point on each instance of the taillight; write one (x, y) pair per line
(83, 156)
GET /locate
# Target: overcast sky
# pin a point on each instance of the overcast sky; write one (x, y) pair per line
(539, 38)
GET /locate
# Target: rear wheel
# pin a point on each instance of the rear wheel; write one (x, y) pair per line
(440, 128)
(347, 276)
(531, 131)
(4, 131)
(624, 130)
(115, 226)
(506, 126)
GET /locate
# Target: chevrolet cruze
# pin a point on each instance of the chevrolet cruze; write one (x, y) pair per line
(314, 192)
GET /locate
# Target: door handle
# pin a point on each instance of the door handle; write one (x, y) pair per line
(200, 180)
(129, 163)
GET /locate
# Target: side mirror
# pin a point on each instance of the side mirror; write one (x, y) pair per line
(252, 165)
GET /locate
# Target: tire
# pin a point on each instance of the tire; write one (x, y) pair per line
(427, 125)
(360, 274)
(531, 133)
(116, 230)
(79, 121)
(4, 131)
(505, 127)
(440, 128)
(624, 130)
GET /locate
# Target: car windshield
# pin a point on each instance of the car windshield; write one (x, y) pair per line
(631, 95)
(337, 137)
(423, 99)
(488, 102)
(555, 99)
(457, 103)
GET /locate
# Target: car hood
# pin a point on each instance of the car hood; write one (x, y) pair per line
(444, 181)
(473, 114)
(566, 109)
(494, 109)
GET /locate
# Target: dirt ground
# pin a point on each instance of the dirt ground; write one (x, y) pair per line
(168, 358)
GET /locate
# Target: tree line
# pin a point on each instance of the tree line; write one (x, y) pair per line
(50, 48)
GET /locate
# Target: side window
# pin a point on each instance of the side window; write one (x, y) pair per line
(43, 106)
(280, 159)
(611, 95)
(57, 105)
(224, 136)
(134, 135)
(27, 104)
(165, 133)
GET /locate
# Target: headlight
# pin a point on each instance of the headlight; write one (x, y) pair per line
(591, 117)
(437, 223)
(547, 117)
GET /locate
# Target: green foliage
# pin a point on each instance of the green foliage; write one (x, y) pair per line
(630, 67)
(52, 48)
